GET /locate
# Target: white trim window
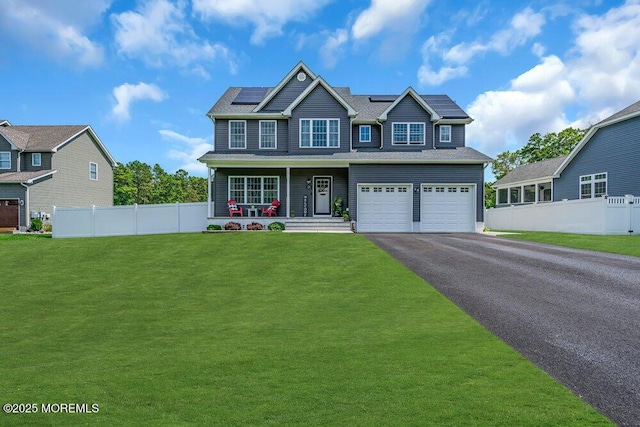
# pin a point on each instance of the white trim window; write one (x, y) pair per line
(365, 133)
(445, 133)
(93, 171)
(408, 133)
(594, 185)
(268, 134)
(5, 160)
(36, 159)
(254, 190)
(319, 133)
(237, 134)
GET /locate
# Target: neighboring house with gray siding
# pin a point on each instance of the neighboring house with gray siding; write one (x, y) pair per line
(398, 162)
(45, 166)
(604, 163)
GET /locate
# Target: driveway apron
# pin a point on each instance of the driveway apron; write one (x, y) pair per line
(574, 313)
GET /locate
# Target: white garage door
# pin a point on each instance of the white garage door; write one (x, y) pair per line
(385, 208)
(448, 208)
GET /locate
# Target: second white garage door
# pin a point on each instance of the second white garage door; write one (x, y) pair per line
(447, 208)
(385, 208)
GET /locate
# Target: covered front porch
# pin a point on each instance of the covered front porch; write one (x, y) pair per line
(523, 193)
(302, 192)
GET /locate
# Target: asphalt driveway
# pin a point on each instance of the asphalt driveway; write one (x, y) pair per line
(574, 313)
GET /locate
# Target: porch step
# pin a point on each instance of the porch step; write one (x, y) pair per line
(317, 225)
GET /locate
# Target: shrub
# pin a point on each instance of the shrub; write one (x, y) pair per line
(36, 224)
(233, 226)
(214, 227)
(276, 226)
(47, 227)
(255, 226)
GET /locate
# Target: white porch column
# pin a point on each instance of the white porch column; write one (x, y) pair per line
(537, 191)
(288, 178)
(522, 194)
(208, 192)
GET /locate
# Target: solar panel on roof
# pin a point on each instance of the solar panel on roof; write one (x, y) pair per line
(383, 98)
(250, 95)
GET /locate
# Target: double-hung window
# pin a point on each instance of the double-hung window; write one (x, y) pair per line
(36, 159)
(254, 190)
(93, 171)
(445, 133)
(365, 133)
(594, 185)
(268, 134)
(5, 160)
(319, 133)
(237, 134)
(408, 134)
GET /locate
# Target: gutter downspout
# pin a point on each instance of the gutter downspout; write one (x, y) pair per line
(213, 121)
(381, 134)
(351, 134)
(26, 205)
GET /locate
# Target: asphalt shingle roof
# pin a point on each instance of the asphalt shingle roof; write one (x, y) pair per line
(633, 108)
(40, 138)
(460, 155)
(22, 177)
(367, 109)
(531, 171)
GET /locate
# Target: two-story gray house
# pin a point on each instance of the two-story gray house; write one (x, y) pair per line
(45, 166)
(604, 163)
(398, 162)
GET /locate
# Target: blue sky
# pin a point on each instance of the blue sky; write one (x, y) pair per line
(143, 73)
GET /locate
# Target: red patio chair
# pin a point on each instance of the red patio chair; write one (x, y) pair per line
(273, 209)
(234, 208)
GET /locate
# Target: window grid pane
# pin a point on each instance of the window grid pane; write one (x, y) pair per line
(5, 160)
(268, 134)
(237, 134)
(445, 134)
(585, 191)
(254, 190)
(236, 189)
(400, 133)
(416, 133)
(365, 133)
(270, 192)
(600, 188)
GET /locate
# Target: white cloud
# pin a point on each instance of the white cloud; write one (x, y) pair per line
(159, 34)
(127, 93)
(268, 17)
(188, 151)
(332, 48)
(523, 27)
(395, 15)
(56, 28)
(599, 77)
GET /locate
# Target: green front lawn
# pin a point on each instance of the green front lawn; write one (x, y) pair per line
(624, 245)
(252, 329)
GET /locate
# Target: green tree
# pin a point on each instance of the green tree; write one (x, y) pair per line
(489, 195)
(137, 182)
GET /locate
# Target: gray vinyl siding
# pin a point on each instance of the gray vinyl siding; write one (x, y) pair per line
(319, 104)
(416, 175)
(408, 110)
(6, 147)
(614, 149)
(70, 185)
(26, 165)
(14, 191)
(375, 137)
(457, 137)
(220, 191)
(253, 137)
(289, 92)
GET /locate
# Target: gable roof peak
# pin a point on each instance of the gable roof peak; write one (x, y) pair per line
(410, 91)
(300, 67)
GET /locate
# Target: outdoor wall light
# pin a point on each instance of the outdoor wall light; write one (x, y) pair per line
(308, 183)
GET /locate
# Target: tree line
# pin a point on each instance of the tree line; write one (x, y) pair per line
(138, 182)
(539, 147)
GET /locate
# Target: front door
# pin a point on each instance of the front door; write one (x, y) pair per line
(322, 195)
(9, 212)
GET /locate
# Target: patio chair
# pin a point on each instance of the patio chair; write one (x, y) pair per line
(272, 210)
(234, 209)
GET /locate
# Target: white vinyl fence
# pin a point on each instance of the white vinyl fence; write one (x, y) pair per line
(129, 220)
(612, 215)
